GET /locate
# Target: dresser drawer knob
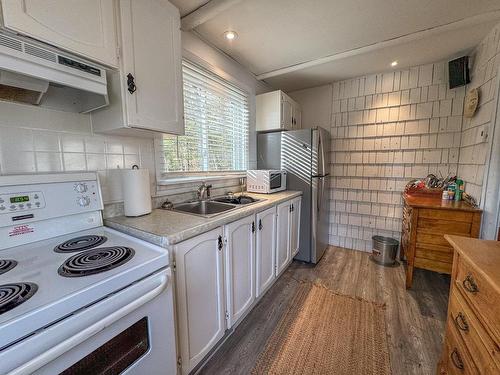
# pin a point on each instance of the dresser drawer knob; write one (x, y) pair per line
(456, 359)
(469, 284)
(461, 323)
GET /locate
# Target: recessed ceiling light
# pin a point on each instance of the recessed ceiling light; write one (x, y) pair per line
(230, 35)
(394, 63)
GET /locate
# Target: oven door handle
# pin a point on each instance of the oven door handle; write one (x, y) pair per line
(83, 335)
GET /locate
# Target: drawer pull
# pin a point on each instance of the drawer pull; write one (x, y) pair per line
(456, 359)
(461, 323)
(469, 284)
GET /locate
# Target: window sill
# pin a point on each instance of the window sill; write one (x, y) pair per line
(187, 179)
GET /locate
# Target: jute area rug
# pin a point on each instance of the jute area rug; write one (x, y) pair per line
(327, 333)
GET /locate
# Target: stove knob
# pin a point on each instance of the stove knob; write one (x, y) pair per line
(84, 201)
(80, 188)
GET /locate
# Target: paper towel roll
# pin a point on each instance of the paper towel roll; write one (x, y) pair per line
(136, 192)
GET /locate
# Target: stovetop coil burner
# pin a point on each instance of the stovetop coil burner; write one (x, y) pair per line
(7, 265)
(94, 261)
(12, 295)
(80, 243)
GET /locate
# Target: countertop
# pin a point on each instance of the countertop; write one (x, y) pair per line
(483, 254)
(165, 228)
(438, 203)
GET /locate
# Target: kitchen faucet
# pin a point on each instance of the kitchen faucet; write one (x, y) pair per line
(203, 191)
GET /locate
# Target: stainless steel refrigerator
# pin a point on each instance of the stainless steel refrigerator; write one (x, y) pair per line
(305, 155)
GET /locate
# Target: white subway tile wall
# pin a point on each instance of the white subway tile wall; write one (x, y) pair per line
(26, 148)
(387, 129)
(36, 139)
(473, 148)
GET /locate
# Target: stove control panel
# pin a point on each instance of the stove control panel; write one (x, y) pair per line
(21, 201)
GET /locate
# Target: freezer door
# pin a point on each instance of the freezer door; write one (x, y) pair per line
(320, 217)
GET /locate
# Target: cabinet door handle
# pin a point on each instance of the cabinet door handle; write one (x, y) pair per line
(260, 224)
(469, 284)
(461, 323)
(456, 359)
(131, 83)
(219, 243)
(253, 226)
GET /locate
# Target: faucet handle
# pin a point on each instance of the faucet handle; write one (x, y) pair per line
(208, 189)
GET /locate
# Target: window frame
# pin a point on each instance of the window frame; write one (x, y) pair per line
(174, 177)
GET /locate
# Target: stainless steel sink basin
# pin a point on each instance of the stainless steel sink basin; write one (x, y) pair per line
(239, 200)
(204, 208)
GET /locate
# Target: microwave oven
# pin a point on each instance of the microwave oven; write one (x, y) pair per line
(266, 181)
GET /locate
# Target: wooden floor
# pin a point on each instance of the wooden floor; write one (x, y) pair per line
(415, 318)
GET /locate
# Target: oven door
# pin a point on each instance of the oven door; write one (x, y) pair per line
(130, 332)
(276, 181)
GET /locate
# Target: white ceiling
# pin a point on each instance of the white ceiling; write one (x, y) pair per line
(276, 34)
(188, 6)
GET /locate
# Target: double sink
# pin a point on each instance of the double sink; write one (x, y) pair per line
(215, 206)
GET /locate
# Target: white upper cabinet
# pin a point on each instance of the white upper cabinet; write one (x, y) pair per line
(147, 92)
(240, 268)
(265, 249)
(277, 111)
(295, 226)
(283, 249)
(200, 296)
(86, 28)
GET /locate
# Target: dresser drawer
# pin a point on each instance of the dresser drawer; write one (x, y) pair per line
(456, 359)
(480, 294)
(452, 215)
(479, 344)
(443, 226)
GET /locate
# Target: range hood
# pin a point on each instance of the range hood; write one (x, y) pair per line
(37, 74)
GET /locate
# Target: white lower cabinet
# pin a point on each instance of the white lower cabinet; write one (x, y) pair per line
(265, 250)
(239, 267)
(283, 253)
(200, 296)
(295, 226)
(221, 274)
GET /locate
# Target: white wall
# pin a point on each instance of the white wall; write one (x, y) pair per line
(389, 128)
(35, 139)
(474, 152)
(316, 104)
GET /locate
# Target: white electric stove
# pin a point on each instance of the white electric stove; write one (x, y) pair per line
(77, 297)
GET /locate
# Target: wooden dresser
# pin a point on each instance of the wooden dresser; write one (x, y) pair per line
(472, 341)
(425, 222)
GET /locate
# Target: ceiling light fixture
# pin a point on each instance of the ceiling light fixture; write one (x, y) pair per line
(394, 63)
(230, 35)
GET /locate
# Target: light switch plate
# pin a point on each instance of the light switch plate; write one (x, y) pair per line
(482, 134)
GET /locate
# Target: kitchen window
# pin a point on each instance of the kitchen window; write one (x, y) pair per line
(216, 127)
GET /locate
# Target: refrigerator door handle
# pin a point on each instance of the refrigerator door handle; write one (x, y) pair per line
(322, 153)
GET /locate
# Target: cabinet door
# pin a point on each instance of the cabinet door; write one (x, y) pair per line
(266, 249)
(295, 226)
(86, 28)
(240, 267)
(151, 43)
(286, 112)
(200, 296)
(283, 254)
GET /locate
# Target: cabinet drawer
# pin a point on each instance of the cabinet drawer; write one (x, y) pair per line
(433, 239)
(433, 254)
(433, 265)
(456, 359)
(479, 344)
(485, 301)
(451, 215)
(443, 226)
